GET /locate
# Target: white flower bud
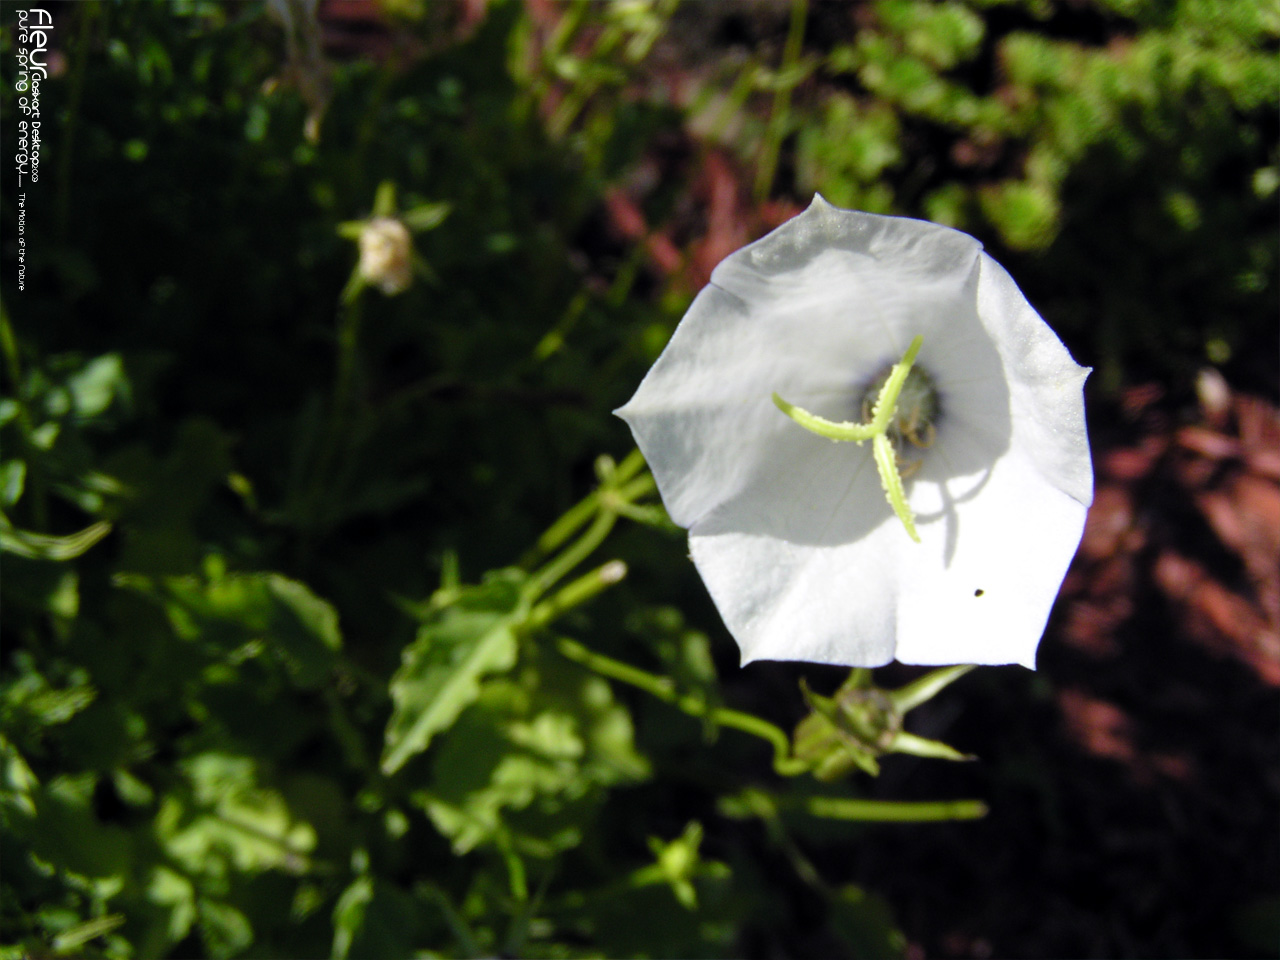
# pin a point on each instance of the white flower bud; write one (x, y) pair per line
(386, 255)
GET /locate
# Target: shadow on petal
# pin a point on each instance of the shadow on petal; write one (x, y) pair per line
(815, 492)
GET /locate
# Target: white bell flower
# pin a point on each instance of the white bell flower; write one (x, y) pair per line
(792, 533)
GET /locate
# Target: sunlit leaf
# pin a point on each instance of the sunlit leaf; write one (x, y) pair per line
(441, 669)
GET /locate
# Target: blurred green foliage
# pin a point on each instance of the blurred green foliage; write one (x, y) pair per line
(289, 666)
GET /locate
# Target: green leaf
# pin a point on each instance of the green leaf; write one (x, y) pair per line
(168, 495)
(528, 757)
(225, 930)
(13, 477)
(1025, 213)
(17, 785)
(82, 933)
(373, 918)
(299, 619)
(240, 612)
(40, 546)
(29, 702)
(348, 915)
(175, 894)
(425, 217)
(94, 387)
(441, 669)
(66, 831)
(227, 821)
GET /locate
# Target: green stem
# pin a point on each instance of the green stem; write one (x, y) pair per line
(569, 523)
(457, 924)
(664, 689)
(635, 489)
(516, 877)
(781, 100)
(348, 736)
(576, 593)
(616, 485)
(579, 513)
(549, 575)
(631, 464)
(894, 811)
(12, 358)
(348, 335)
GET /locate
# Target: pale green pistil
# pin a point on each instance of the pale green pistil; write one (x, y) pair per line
(899, 407)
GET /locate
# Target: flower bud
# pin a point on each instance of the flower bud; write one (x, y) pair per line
(385, 255)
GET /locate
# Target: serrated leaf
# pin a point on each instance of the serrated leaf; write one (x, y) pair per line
(227, 820)
(299, 619)
(440, 676)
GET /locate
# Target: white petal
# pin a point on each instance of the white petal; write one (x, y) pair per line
(980, 585)
(1046, 385)
(811, 311)
(791, 533)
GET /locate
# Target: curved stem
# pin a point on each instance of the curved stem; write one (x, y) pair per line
(614, 483)
(664, 689)
(547, 577)
(569, 523)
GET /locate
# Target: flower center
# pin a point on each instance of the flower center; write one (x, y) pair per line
(883, 417)
(914, 417)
